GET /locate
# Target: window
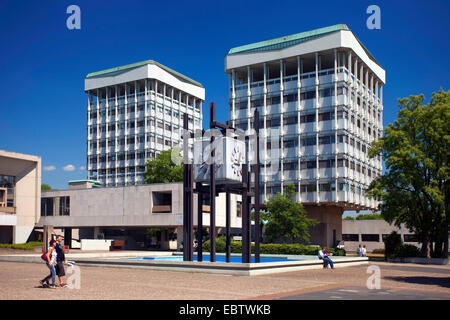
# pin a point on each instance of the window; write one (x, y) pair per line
(350, 237)
(370, 237)
(326, 116)
(291, 143)
(64, 206)
(310, 141)
(329, 163)
(308, 118)
(327, 140)
(308, 164)
(291, 165)
(410, 238)
(46, 207)
(308, 188)
(275, 122)
(290, 97)
(275, 100)
(290, 120)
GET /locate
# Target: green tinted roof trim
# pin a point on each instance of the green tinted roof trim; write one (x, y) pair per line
(118, 70)
(84, 180)
(286, 41)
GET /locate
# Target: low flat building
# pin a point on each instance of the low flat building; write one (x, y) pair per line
(20, 193)
(372, 234)
(126, 213)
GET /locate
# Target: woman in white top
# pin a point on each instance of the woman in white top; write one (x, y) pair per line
(51, 262)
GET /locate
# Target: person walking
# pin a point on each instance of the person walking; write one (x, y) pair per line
(359, 251)
(364, 251)
(323, 255)
(51, 261)
(60, 259)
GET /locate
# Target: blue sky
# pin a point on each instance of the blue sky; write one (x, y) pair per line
(43, 64)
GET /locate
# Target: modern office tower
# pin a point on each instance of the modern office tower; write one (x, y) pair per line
(134, 112)
(324, 91)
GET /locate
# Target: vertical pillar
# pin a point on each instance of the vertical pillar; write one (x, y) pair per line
(335, 125)
(199, 223)
(188, 207)
(281, 124)
(299, 91)
(349, 64)
(257, 193)
(249, 93)
(212, 187)
(317, 62)
(265, 130)
(246, 240)
(233, 98)
(227, 227)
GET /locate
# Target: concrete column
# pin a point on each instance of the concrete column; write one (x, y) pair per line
(335, 122)
(350, 62)
(249, 94)
(281, 125)
(233, 97)
(116, 94)
(98, 132)
(317, 62)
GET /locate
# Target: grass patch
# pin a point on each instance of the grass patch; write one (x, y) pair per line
(22, 246)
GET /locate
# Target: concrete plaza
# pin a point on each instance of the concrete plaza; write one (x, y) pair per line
(20, 281)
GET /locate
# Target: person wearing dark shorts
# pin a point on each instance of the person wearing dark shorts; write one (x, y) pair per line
(60, 258)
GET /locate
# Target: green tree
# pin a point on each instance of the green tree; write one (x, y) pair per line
(162, 169)
(369, 216)
(286, 218)
(415, 187)
(45, 187)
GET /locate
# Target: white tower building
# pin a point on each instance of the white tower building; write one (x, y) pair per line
(134, 112)
(324, 91)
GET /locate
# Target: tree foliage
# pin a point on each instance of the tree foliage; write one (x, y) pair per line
(45, 187)
(414, 188)
(368, 216)
(286, 218)
(162, 169)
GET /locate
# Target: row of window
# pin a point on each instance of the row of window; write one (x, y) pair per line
(120, 170)
(354, 237)
(132, 109)
(323, 187)
(133, 140)
(55, 206)
(292, 119)
(288, 97)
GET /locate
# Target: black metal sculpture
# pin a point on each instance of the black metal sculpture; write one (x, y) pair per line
(213, 189)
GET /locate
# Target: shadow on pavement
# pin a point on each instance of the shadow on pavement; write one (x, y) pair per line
(438, 281)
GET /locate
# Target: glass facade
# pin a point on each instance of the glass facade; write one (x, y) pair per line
(9, 183)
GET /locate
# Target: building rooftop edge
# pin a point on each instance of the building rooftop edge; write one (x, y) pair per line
(296, 38)
(292, 37)
(111, 71)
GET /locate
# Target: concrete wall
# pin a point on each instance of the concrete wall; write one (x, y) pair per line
(27, 193)
(130, 206)
(379, 227)
(330, 223)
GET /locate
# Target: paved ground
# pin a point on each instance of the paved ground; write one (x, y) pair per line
(398, 281)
